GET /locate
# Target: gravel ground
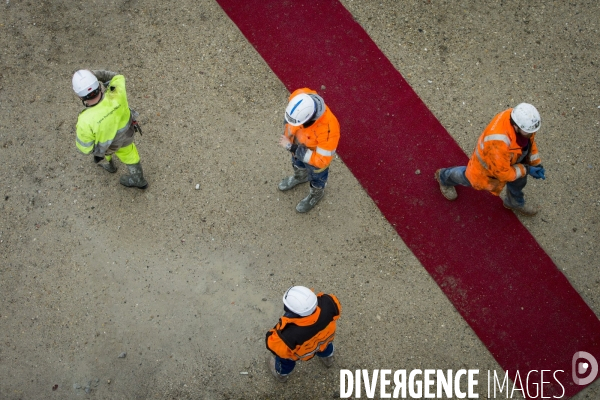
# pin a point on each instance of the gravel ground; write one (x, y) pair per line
(186, 282)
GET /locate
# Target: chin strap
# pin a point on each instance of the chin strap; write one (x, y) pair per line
(88, 106)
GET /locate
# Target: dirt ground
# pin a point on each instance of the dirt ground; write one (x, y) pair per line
(186, 282)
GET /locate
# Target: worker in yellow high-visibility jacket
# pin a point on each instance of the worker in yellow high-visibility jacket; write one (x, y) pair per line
(106, 126)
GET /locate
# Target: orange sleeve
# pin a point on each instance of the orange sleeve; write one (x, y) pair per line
(278, 347)
(337, 303)
(498, 160)
(328, 137)
(534, 157)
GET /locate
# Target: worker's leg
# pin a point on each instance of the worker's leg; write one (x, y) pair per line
(318, 177)
(318, 181)
(514, 192)
(326, 356)
(300, 176)
(450, 177)
(284, 366)
(280, 367)
(129, 156)
(454, 176)
(515, 199)
(328, 352)
(109, 165)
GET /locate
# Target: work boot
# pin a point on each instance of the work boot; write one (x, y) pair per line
(271, 365)
(310, 201)
(300, 176)
(527, 210)
(327, 361)
(109, 166)
(135, 177)
(449, 192)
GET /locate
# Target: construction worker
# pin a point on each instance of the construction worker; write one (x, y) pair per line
(106, 126)
(306, 329)
(505, 154)
(311, 134)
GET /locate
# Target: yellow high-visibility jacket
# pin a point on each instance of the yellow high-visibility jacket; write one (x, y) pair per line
(106, 125)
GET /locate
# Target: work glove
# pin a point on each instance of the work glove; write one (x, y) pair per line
(537, 172)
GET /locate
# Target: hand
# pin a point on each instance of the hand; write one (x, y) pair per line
(284, 142)
(537, 172)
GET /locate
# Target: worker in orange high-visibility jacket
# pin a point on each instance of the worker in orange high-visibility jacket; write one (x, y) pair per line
(306, 329)
(505, 154)
(311, 134)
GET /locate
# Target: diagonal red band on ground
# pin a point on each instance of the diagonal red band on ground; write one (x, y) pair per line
(494, 272)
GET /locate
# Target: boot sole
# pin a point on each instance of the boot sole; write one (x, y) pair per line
(520, 211)
(137, 187)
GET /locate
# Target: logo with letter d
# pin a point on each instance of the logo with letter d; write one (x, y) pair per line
(581, 368)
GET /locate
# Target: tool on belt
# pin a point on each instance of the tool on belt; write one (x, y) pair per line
(137, 127)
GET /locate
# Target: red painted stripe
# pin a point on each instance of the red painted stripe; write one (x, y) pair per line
(491, 268)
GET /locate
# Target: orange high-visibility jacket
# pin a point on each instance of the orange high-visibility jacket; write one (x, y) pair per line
(301, 338)
(321, 138)
(497, 156)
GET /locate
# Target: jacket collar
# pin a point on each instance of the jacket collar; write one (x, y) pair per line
(302, 321)
(512, 135)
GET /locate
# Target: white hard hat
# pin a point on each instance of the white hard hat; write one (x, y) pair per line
(300, 300)
(526, 117)
(84, 82)
(300, 109)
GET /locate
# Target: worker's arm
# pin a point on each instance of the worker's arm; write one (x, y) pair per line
(85, 138)
(497, 155)
(276, 346)
(112, 81)
(104, 76)
(534, 156)
(287, 139)
(328, 136)
(337, 303)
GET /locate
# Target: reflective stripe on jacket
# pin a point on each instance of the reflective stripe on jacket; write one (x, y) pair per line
(108, 123)
(320, 139)
(301, 338)
(498, 158)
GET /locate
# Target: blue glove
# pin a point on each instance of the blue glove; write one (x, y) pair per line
(537, 172)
